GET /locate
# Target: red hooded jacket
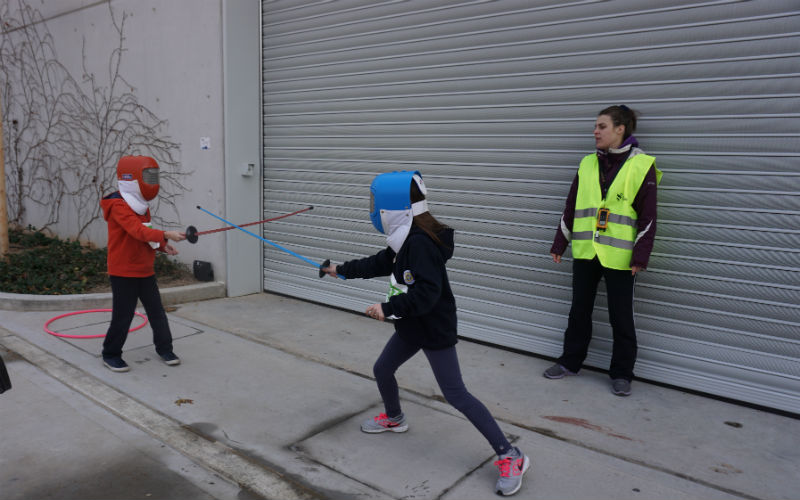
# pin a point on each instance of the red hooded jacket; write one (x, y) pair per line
(129, 253)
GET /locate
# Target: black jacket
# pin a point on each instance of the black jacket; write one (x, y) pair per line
(427, 312)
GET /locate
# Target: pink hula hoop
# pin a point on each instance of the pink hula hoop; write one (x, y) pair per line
(74, 313)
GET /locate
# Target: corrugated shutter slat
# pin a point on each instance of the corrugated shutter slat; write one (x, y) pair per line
(494, 102)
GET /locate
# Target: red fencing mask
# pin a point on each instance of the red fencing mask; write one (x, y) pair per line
(141, 169)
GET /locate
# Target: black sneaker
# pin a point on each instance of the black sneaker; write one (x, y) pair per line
(621, 387)
(116, 364)
(170, 358)
(558, 371)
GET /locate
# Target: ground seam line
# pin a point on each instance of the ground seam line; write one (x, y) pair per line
(211, 454)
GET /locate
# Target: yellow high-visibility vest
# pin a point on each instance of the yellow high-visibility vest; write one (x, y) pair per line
(613, 245)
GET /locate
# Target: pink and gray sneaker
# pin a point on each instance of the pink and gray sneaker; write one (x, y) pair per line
(512, 466)
(383, 423)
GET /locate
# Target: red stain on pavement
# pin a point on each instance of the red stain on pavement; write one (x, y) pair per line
(582, 422)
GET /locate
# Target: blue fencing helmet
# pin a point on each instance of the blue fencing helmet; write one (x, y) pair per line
(391, 210)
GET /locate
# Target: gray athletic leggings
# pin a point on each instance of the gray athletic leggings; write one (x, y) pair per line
(444, 363)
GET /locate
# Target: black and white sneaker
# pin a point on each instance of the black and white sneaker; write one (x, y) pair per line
(116, 364)
(170, 358)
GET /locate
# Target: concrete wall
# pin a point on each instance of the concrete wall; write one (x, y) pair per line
(171, 65)
(242, 77)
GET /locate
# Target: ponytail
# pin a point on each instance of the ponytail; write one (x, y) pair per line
(425, 220)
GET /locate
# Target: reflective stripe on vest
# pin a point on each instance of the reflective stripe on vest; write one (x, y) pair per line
(614, 245)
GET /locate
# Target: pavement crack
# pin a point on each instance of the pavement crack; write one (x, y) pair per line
(554, 435)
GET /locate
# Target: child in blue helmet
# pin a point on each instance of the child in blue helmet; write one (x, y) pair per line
(421, 303)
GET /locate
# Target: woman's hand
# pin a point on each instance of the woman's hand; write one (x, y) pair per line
(375, 311)
(556, 258)
(170, 250)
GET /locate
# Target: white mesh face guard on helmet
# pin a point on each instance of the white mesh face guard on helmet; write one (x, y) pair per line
(391, 210)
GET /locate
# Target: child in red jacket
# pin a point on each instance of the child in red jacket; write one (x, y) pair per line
(132, 245)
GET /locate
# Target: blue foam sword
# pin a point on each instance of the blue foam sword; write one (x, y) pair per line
(325, 264)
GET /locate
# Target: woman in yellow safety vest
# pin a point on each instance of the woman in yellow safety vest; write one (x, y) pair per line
(610, 218)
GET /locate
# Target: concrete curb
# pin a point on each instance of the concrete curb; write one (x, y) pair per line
(169, 296)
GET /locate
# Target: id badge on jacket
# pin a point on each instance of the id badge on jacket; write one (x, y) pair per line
(395, 288)
(153, 244)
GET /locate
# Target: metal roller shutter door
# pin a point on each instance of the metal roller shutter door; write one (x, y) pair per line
(494, 102)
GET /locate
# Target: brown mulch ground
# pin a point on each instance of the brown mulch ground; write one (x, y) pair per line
(163, 282)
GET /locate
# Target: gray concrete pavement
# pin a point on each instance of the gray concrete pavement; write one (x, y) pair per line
(271, 391)
(58, 444)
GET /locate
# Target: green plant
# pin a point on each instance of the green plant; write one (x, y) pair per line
(39, 264)
(166, 266)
